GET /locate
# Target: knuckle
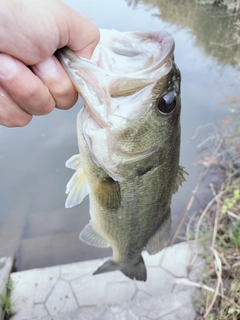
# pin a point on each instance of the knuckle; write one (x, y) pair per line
(11, 115)
(21, 87)
(4, 98)
(61, 89)
(21, 90)
(23, 121)
(11, 122)
(67, 104)
(31, 92)
(64, 94)
(97, 35)
(34, 97)
(39, 100)
(45, 105)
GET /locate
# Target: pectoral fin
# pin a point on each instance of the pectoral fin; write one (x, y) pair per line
(159, 239)
(180, 178)
(91, 237)
(108, 193)
(77, 189)
(74, 162)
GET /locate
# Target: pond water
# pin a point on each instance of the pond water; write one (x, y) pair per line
(34, 223)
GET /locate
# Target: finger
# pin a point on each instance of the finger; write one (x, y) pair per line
(55, 78)
(24, 87)
(87, 38)
(79, 33)
(10, 114)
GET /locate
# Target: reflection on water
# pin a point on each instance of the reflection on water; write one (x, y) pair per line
(34, 222)
(216, 30)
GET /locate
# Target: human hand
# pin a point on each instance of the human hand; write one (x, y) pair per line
(30, 33)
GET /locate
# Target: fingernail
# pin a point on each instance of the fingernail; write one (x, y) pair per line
(7, 65)
(46, 67)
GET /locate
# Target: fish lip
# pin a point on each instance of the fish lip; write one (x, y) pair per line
(163, 37)
(71, 56)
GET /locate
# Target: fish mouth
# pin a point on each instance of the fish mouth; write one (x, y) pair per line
(133, 53)
(122, 64)
(126, 54)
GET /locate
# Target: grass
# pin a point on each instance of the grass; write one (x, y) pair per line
(217, 227)
(222, 272)
(5, 300)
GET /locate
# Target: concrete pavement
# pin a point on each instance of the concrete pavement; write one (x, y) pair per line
(72, 292)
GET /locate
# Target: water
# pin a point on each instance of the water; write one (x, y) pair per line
(34, 223)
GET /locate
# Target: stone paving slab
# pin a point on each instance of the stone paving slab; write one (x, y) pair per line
(72, 292)
(6, 265)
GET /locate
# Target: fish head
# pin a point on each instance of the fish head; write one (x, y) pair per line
(131, 93)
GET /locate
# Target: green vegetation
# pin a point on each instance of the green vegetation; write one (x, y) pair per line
(222, 272)
(232, 5)
(217, 228)
(5, 300)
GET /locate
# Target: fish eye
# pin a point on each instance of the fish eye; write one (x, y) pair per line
(167, 103)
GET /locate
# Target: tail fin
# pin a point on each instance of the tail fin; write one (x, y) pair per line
(137, 271)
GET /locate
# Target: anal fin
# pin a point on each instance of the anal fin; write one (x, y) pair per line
(91, 237)
(159, 239)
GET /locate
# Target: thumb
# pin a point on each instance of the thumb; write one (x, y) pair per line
(79, 33)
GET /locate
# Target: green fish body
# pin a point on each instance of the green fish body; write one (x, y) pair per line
(129, 141)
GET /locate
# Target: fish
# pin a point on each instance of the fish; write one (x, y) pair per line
(129, 144)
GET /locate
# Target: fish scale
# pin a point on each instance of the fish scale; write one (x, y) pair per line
(129, 142)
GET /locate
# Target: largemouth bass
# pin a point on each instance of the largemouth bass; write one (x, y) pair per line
(129, 140)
